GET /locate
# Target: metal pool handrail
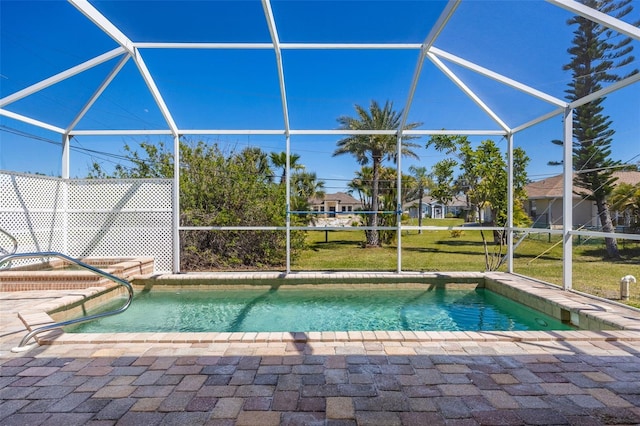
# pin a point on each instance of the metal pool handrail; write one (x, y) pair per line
(13, 239)
(60, 324)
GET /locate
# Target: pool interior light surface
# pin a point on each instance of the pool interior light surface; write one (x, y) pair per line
(304, 310)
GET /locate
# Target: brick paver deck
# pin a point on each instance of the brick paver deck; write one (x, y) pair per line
(581, 379)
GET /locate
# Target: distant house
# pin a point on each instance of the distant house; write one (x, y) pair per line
(544, 202)
(432, 208)
(331, 204)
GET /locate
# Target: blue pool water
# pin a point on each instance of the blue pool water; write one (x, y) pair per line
(332, 309)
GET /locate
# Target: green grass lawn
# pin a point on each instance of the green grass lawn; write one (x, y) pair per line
(536, 256)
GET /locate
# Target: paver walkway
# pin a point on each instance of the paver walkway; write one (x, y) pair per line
(572, 381)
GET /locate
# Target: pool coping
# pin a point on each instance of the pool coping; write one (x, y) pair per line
(609, 321)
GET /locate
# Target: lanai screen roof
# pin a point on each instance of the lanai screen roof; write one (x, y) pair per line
(268, 69)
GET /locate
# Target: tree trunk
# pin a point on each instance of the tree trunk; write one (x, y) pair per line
(607, 226)
(372, 236)
(486, 252)
(420, 194)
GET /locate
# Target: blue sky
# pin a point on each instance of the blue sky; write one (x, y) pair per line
(238, 89)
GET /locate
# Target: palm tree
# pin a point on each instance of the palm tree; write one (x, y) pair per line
(421, 183)
(626, 200)
(255, 160)
(279, 161)
(361, 187)
(374, 148)
(388, 197)
(305, 186)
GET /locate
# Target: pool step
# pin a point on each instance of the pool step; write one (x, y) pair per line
(29, 278)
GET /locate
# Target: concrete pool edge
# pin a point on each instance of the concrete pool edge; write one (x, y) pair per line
(607, 321)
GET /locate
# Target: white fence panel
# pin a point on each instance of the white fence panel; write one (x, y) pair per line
(121, 217)
(89, 217)
(32, 210)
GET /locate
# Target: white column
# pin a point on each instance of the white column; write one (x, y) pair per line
(288, 203)
(65, 156)
(399, 202)
(66, 140)
(510, 203)
(567, 200)
(176, 204)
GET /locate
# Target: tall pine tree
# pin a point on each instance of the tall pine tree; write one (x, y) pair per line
(598, 55)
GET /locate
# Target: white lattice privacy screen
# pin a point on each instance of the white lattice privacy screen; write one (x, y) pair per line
(32, 210)
(89, 217)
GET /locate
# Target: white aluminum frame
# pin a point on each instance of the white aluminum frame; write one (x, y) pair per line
(129, 49)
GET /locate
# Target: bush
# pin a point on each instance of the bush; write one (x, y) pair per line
(219, 189)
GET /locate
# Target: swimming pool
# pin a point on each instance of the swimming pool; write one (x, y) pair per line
(271, 309)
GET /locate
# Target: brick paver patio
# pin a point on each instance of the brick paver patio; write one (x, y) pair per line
(581, 379)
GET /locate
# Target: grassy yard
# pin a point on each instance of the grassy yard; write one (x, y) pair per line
(536, 256)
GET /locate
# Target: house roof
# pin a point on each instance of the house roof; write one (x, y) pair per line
(552, 187)
(630, 177)
(340, 197)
